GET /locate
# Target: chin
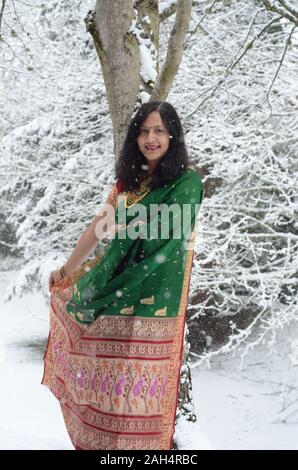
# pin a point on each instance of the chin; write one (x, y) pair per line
(153, 157)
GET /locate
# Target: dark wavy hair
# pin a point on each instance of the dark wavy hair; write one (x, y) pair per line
(175, 161)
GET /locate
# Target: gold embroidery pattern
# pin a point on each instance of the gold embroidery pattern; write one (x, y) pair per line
(84, 268)
(87, 439)
(161, 312)
(80, 315)
(76, 291)
(131, 349)
(127, 310)
(147, 300)
(136, 327)
(132, 197)
(72, 314)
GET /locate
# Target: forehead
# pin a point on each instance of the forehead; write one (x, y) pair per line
(153, 119)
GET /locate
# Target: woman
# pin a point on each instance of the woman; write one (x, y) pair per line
(117, 321)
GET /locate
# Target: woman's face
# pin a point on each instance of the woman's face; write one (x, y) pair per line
(153, 140)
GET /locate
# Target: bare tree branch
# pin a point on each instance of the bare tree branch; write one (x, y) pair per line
(17, 17)
(288, 41)
(288, 7)
(285, 10)
(234, 62)
(199, 24)
(167, 12)
(1, 14)
(174, 52)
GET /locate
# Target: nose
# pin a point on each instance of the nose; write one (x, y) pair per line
(151, 136)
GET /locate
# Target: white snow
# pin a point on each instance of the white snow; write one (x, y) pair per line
(30, 414)
(147, 51)
(249, 409)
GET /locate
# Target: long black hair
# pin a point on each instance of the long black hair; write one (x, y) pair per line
(130, 165)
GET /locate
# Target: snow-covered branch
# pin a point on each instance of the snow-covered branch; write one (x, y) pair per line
(282, 8)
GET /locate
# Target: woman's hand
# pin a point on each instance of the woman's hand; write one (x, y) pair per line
(55, 276)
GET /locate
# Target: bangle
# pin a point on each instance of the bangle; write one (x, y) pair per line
(62, 272)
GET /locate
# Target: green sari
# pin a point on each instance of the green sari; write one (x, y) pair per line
(116, 334)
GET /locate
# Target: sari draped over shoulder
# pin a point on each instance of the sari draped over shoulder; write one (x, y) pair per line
(114, 348)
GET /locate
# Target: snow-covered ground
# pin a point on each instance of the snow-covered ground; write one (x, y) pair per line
(248, 409)
(236, 409)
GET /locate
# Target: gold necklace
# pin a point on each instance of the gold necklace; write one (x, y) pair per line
(134, 196)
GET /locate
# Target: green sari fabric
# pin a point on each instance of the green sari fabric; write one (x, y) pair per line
(142, 276)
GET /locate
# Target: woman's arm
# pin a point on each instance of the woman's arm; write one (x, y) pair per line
(91, 236)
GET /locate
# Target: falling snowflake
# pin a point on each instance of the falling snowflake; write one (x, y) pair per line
(160, 258)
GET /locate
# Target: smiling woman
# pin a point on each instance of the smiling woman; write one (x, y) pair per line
(114, 349)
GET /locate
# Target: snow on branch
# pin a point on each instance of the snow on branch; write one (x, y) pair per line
(282, 8)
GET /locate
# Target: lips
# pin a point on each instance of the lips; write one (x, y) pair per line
(152, 148)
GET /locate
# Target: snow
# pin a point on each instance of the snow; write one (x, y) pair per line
(245, 409)
(30, 414)
(235, 409)
(163, 5)
(148, 53)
